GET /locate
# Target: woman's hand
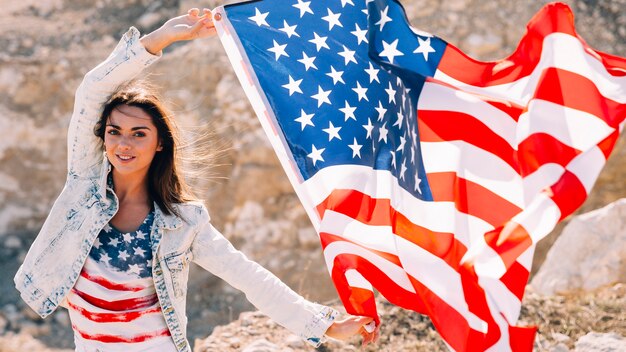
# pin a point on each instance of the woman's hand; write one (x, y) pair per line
(185, 27)
(352, 325)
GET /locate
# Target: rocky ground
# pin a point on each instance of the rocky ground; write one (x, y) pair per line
(562, 321)
(47, 47)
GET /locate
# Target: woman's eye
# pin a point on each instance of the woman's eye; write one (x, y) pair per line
(140, 134)
(113, 132)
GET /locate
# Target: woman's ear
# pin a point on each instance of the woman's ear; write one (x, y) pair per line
(159, 147)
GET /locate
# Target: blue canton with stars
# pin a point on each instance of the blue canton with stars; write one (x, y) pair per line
(335, 104)
(127, 252)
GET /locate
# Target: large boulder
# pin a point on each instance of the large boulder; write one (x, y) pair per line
(591, 252)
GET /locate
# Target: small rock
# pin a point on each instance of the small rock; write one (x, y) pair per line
(575, 262)
(12, 315)
(558, 337)
(12, 242)
(561, 347)
(598, 342)
(294, 341)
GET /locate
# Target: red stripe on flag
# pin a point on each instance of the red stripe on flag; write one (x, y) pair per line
(438, 126)
(121, 305)
(514, 241)
(111, 317)
(578, 92)
(379, 212)
(522, 338)
(108, 284)
(541, 148)
(515, 279)
(453, 327)
(357, 206)
(471, 198)
(328, 238)
(568, 193)
(123, 339)
(552, 18)
(606, 146)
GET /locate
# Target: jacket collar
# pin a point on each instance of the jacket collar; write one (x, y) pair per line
(165, 221)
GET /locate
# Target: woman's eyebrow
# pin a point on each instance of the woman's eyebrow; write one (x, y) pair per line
(132, 129)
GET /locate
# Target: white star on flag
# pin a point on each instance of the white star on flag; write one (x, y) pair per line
(316, 154)
(392, 93)
(305, 119)
(139, 251)
(278, 50)
(381, 111)
(123, 255)
(104, 257)
(127, 237)
(402, 144)
(418, 181)
(307, 61)
(348, 111)
(369, 128)
(321, 96)
(399, 120)
(289, 30)
(424, 48)
(320, 42)
(344, 2)
(383, 133)
(293, 86)
(373, 73)
(135, 269)
(348, 55)
(333, 132)
(403, 169)
(304, 7)
(390, 51)
(361, 34)
(259, 18)
(356, 149)
(360, 91)
(393, 159)
(332, 19)
(383, 18)
(335, 75)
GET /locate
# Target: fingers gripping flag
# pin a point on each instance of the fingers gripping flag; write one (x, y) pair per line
(428, 176)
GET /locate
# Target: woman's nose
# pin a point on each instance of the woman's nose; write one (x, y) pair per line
(124, 144)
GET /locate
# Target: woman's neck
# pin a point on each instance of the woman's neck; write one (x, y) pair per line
(131, 188)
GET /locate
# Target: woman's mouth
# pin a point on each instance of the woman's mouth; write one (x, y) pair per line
(124, 158)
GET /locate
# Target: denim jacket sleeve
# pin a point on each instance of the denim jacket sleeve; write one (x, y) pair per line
(125, 62)
(264, 290)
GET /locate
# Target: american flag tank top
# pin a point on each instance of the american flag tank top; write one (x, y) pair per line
(113, 305)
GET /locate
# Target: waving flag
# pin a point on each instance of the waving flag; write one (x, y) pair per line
(429, 176)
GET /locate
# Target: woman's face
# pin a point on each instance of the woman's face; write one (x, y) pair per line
(131, 140)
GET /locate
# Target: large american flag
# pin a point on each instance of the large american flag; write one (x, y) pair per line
(429, 176)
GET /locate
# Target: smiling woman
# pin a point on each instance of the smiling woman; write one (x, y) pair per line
(116, 246)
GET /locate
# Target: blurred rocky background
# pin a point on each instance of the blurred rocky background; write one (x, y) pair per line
(48, 45)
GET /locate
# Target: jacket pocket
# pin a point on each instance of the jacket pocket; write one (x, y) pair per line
(178, 266)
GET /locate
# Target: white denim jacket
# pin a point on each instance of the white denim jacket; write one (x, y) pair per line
(86, 204)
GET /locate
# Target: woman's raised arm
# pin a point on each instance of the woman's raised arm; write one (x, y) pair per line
(130, 57)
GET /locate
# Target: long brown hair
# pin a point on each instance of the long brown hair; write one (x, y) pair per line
(166, 184)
